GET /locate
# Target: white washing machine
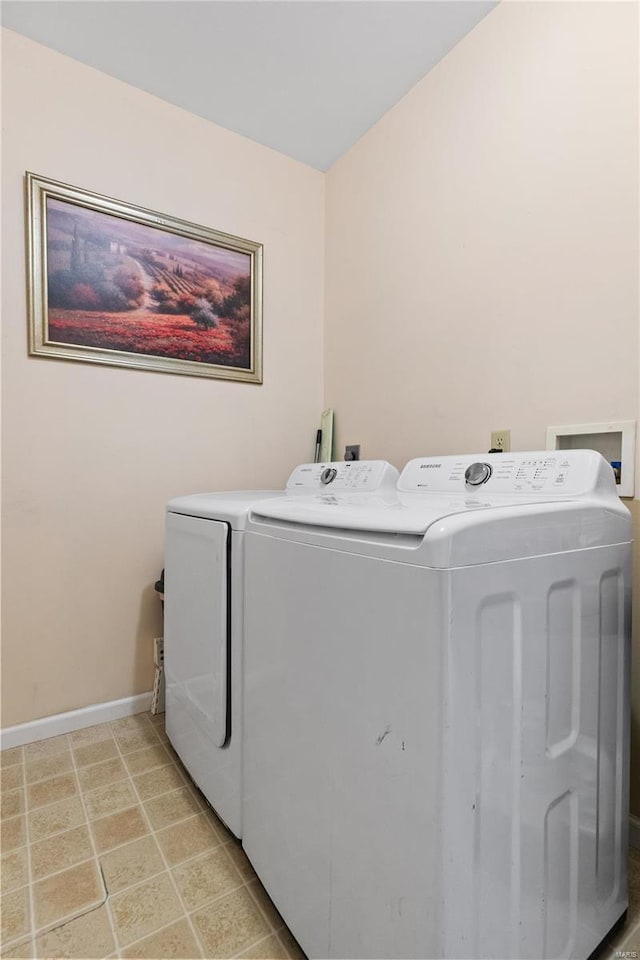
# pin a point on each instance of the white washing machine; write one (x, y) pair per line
(437, 710)
(203, 624)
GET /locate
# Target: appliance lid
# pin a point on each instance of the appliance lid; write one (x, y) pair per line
(306, 479)
(231, 506)
(394, 513)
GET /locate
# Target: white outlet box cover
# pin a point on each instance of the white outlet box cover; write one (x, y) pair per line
(615, 440)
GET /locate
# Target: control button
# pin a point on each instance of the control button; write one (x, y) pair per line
(328, 475)
(477, 473)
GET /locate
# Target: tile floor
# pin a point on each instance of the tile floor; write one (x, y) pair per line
(108, 850)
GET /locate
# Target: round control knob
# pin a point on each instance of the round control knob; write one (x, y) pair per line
(477, 473)
(328, 475)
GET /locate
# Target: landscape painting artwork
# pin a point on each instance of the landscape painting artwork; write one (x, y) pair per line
(113, 283)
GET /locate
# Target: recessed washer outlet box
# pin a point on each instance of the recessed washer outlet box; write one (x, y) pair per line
(615, 440)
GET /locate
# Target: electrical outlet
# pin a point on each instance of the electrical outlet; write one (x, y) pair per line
(501, 440)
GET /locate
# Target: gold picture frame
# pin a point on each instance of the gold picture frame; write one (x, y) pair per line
(113, 283)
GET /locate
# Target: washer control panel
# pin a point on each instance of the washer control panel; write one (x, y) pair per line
(356, 475)
(562, 472)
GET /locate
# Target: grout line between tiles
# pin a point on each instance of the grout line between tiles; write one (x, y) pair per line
(216, 897)
(249, 946)
(167, 867)
(52, 776)
(254, 943)
(67, 918)
(78, 863)
(165, 926)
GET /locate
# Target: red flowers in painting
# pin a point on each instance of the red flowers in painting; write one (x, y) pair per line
(160, 335)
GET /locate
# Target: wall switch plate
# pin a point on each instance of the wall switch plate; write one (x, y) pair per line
(352, 451)
(501, 440)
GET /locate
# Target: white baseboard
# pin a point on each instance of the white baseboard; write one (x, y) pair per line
(60, 723)
(634, 831)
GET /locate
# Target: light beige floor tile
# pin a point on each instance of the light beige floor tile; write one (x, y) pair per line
(95, 752)
(130, 864)
(157, 718)
(46, 748)
(11, 756)
(171, 807)
(138, 721)
(59, 852)
(48, 767)
(14, 915)
(157, 781)
(240, 861)
(265, 903)
(49, 791)
(268, 949)
(130, 740)
(142, 760)
(87, 937)
(19, 949)
(55, 818)
(66, 894)
(176, 942)
(139, 911)
(291, 945)
(80, 738)
(11, 778)
(11, 803)
(101, 774)
(228, 925)
(13, 834)
(109, 799)
(14, 870)
(206, 878)
(118, 828)
(187, 839)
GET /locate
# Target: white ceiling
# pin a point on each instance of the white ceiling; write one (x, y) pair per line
(306, 77)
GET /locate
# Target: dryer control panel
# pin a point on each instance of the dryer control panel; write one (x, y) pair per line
(352, 475)
(566, 473)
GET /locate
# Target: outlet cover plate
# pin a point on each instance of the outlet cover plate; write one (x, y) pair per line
(501, 440)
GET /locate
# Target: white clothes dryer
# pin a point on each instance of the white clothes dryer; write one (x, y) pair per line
(203, 624)
(437, 710)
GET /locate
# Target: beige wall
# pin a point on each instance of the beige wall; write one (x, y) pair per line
(482, 241)
(482, 246)
(93, 453)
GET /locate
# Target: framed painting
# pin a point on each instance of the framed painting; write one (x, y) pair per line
(113, 283)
